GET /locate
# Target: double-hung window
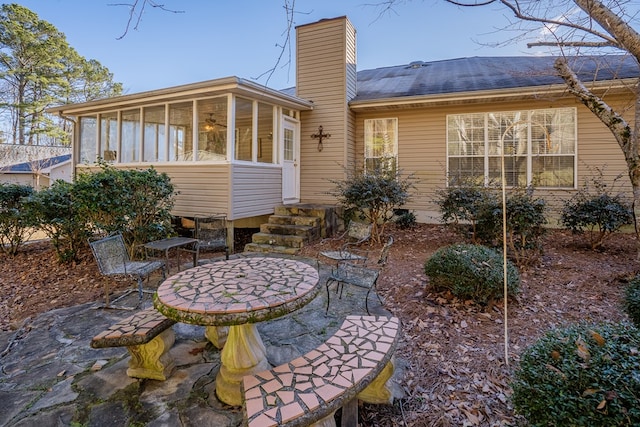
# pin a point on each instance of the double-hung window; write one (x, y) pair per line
(381, 145)
(538, 146)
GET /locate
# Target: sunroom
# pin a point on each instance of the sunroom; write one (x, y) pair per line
(229, 145)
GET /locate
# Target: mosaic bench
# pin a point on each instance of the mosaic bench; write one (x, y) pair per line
(148, 336)
(355, 363)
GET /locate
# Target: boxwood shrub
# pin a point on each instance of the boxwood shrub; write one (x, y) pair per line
(471, 272)
(581, 375)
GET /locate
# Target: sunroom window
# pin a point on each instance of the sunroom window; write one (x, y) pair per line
(180, 135)
(539, 147)
(244, 129)
(130, 138)
(212, 129)
(153, 138)
(381, 145)
(88, 140)
(109, 136)
(202, 130)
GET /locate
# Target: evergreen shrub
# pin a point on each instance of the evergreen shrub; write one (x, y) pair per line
(582, 375)
(471, 272)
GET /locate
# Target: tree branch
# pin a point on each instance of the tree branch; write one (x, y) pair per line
(571, 44)
(514, 6)
(614, 121)
(136, 10)
(290, 10)
(624, 35)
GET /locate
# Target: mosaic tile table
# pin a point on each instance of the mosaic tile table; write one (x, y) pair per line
(237, 293)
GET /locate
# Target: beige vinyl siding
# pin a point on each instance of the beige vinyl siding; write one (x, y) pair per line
(255, 190)
(325, 68)
(203, 189)
(422, 150)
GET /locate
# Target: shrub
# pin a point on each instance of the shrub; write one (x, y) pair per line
(469, 206)
(15, 222)
(582, 375)
(595, 211)
(471, 272)
(405, 219)
(632, 300)
(136, 203)
(525, 225)
(58, 214)
(373, 195)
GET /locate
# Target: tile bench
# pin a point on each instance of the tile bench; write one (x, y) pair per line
(355, 362)
(148, 336)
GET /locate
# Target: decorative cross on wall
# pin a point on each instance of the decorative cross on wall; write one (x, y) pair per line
(320, 136)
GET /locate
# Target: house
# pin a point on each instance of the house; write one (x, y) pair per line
(38, 173)
(236, 147)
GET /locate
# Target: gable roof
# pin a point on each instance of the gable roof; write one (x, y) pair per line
(28, 167)
(476, 74)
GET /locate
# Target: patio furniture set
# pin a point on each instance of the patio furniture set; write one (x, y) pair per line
(229, 297)
(208, 233)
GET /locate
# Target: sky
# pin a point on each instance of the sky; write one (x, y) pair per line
(211, 39)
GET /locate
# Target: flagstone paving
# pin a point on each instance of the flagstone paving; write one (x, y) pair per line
(49, 374)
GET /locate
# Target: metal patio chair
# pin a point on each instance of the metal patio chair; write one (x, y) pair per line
(356, 234)
(211, 232)
(349, 273)
(113, 260)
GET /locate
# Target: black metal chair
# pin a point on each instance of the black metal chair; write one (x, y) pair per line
(113, 260)
(358, 275)
(211, 232)
(356, 234)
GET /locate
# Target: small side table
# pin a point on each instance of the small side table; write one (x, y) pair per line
(165, 245)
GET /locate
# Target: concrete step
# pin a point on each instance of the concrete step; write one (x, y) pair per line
(291, 241)
(310, 221)
(310, 233)
(256, 247)
(326, 214)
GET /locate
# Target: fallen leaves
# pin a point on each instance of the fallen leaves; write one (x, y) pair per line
(455, 373)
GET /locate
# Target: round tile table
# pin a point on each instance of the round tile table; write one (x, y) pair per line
(237, 293)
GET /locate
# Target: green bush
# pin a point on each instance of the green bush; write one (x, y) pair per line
(480, 208)
(470, 206)
(136, 203)
(405, 219)
(595, 211)
(582, 375)
(16, 225)
(373, 195)
(525, 225)
(632, 300)
(471, 272)
(57, 212)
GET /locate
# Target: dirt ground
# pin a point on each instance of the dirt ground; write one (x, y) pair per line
(454, 370)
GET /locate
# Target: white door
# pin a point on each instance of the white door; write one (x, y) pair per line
(290, 157)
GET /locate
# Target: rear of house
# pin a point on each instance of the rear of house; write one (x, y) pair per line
(234, 147)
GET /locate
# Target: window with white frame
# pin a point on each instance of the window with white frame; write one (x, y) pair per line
(539, 147)
(381, 145)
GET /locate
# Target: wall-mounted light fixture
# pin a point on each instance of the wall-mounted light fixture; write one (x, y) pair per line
(320, 136)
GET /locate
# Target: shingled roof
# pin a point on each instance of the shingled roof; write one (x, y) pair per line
(483, 74)
(36, 164)
(453, 76)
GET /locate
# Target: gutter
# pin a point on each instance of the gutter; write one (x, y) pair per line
(475, 96)
(185, 92)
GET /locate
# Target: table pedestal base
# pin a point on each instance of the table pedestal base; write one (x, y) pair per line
(217, 335)
(243, 354)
